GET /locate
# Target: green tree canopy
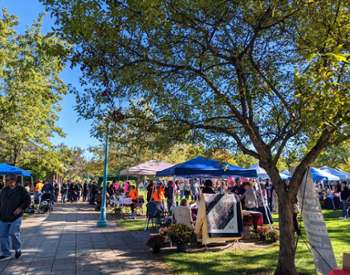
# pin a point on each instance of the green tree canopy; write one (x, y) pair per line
(269, 77)
(30, 92)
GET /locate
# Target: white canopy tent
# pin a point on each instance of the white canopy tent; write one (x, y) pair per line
(148, 168)
(260, 171)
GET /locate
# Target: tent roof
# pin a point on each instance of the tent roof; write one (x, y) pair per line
(260, 171)
(204, 166)
(318, 175)
(336, 172)
(6, 169)
(148, 168)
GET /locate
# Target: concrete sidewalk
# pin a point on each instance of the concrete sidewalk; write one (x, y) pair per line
(68, 242)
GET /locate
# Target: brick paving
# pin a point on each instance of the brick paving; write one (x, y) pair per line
(68, 242)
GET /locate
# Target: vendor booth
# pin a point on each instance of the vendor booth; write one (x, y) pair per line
(148, 168)
(218, 216)
(201, 166)
(6, 169)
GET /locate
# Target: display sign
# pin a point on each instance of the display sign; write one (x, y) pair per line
(224, 215)
(315, 226)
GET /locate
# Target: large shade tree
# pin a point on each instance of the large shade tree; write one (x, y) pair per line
(30, 93)
(270, 77)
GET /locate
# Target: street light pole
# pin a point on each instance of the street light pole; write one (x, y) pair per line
(102, 222)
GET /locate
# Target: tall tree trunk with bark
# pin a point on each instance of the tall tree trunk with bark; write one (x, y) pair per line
(286, 257)
(286, 199)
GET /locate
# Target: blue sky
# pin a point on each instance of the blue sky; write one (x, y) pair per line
(77, 131)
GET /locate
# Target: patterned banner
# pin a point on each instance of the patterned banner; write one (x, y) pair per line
(224, 215)
(315, 226)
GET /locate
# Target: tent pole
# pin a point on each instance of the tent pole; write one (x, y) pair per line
(267, 211)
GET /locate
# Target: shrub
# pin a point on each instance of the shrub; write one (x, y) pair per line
(180, 234)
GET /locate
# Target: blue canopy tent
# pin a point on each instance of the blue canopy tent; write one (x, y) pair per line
(208, 167)
(320, 175)
(316, 174)
(335, 172)
(6, 169)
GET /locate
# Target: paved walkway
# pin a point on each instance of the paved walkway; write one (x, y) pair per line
(68, 242)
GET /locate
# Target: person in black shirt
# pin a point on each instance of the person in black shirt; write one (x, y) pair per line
(14, 199)
(208, 187)
(85, 191)
(345, 197)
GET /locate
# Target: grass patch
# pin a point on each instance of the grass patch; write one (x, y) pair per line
(132, 225)
(261, 260)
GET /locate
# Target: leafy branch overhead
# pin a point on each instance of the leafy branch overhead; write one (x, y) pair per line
(267, 77)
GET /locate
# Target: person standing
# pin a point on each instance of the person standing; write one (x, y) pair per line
(77, 189)
(133, 195)
(170, 195)
(150, 190)
(70, 191)
(64, 191)
(85, 191)
(345, 197)
(37, 191)
(249, 196)
(56, 189)
(14, 199)
(94, 192)
(48, 188)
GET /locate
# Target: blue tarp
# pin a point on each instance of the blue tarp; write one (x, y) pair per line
(316, 174)
(204, 166)
(319, 175)
(6, 169)
(335, 172)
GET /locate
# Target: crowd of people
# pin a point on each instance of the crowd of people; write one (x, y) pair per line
(69, 191)
(335, 196)
(177, 197)
(174, 197)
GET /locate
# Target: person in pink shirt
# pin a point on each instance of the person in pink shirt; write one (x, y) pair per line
(116, 186)
(126, 187)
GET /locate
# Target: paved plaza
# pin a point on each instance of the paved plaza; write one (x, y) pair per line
(68, 242)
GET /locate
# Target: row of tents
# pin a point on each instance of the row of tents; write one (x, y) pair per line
(324, 173)
(200, 166)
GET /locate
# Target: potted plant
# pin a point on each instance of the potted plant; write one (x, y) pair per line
(272, 235)
(156, 242)
(181, 236)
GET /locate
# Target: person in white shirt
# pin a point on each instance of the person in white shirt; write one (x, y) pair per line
(183, 215)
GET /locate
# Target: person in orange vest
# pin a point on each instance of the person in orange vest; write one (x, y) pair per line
(133, 195)
(159, 195)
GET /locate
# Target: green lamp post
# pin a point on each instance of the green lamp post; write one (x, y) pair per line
(102, 221)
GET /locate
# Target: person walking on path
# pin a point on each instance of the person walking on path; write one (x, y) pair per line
(85, 191)
(64, 191)
(14, 199)
(48, 188)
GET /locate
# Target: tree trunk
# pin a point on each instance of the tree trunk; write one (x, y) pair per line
(286, 258)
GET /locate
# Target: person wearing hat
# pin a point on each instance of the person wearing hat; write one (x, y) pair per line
(14, 199)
